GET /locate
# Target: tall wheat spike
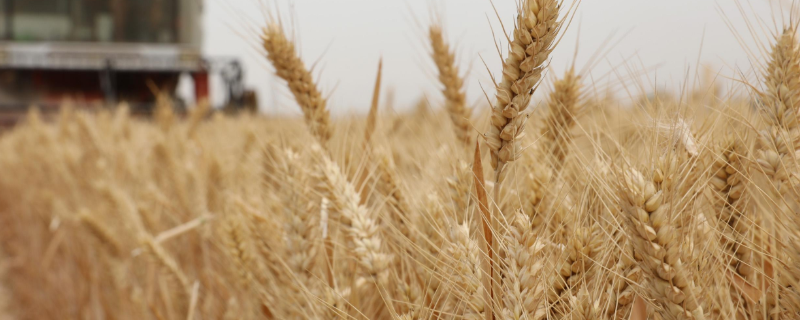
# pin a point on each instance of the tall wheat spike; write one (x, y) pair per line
(775, 155)
(534, 35)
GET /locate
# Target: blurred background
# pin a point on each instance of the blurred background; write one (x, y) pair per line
(97, 51)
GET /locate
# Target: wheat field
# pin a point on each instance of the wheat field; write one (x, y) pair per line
(574, 205)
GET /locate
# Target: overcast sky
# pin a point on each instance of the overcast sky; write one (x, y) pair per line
(347, 37)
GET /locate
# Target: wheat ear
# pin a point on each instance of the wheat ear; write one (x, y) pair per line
(361, 226)
(534, 38)
(101, 232)
(463, 258)
(780, 106)
(391, 186)
(289, 67)
(655, 240)
(728, 200)
(782, 96)
(563, 107)
(584, 306)
(628, 274)
(777, 147)
(582, 250)
(237, 241)
(522, 291)
(455, 97)
(165, 260)
(777, 143)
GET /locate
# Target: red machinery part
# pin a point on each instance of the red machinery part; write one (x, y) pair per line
(201, 85)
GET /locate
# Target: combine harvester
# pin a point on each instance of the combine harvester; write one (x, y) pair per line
(101, 52)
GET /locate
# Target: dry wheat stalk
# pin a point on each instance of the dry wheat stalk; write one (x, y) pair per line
(289, 67)
(121, 122)
(534, 38)
(455, 97)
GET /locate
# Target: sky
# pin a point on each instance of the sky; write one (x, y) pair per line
(659, 41)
